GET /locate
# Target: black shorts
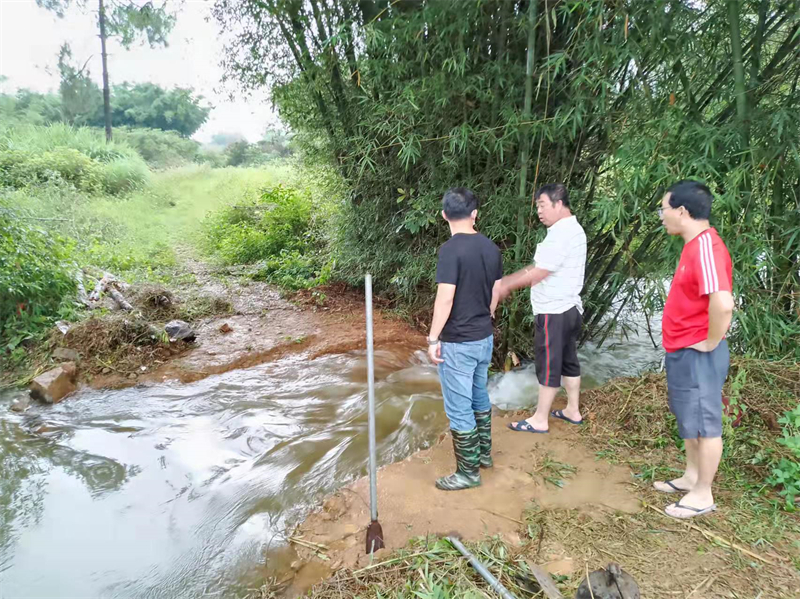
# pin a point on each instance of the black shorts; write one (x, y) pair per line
(556, 346)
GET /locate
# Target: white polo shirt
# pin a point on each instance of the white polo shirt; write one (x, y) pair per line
(563, 253)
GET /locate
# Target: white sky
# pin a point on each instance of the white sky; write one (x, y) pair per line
(30, 38)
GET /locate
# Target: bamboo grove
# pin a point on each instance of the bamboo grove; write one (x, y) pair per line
(617, 98)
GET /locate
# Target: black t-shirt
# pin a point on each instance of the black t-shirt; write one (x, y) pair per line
(471, 262)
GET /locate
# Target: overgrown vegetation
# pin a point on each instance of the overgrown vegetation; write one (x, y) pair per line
(630, 422)
(34, 156)
(69, 200)
(276, 232)
(36, 277)
(620, 99)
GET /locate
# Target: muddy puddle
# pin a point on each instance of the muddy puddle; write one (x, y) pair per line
(185, 490)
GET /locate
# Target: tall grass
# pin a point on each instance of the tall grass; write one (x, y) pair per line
(32, 155)
(91, 142)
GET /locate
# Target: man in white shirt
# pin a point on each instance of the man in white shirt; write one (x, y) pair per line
(556, 279)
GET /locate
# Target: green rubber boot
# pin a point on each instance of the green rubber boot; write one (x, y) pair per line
(467, 447)
(484, 422)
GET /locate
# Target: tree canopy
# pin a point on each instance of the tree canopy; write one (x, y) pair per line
(140, 105)
(626, 97)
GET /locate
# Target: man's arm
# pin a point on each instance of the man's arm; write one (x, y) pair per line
(720, 313)
(496, 291)
(527, 277)
(445, 293)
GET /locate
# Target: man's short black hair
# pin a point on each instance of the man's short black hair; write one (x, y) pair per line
(692, 195)
(458, 203)
(557, 192)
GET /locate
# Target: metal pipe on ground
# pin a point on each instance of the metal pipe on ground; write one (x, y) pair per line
(482, 570)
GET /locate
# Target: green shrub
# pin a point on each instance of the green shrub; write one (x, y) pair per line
(35, 278)
(213, 158)
(294, 270)
(87, 141)
(786, 472)
(160, 149)
(35, 155)
(123, 175)
(21, 169)
(256, 230)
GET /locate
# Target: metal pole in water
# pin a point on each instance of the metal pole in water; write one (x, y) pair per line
(373, 487)
(482, 570)
(374, 531)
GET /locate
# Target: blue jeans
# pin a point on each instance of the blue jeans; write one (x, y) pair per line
(464, 374)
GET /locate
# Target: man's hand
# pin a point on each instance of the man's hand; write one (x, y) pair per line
(704, 346)
(502, 292)
(435, 353)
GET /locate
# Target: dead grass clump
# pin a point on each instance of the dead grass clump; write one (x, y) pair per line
(666, 557)
(158, 304)
(431, 568)
(118, 342)
(203, 306)
(155, 302)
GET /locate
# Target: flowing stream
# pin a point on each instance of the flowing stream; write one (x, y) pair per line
(183, 490)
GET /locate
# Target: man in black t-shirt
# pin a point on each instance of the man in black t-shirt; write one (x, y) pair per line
(468, 275)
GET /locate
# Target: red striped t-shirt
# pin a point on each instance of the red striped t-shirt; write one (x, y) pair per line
(705, 267)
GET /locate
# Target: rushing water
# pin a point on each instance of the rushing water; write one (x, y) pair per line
(182, 490)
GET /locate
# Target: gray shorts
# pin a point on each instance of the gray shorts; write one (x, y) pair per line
(694, 386)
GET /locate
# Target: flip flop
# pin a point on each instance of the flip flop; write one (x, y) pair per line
(560, 414)
(692, 511)
(671, 487)
(523, 427)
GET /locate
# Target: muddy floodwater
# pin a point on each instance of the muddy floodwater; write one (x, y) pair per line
(177, 490)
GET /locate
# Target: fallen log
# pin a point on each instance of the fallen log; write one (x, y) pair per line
(101, 287)
(83, 297)
(119, 298)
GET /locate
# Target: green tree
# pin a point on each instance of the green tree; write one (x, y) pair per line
(81, 101)
(126, 20)
(151, 106)
(627, 97)
(275, 143)
(30, 107)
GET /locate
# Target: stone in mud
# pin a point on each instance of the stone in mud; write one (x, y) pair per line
(179, 330)
(611, 583)
(225, 328)
(66, 355)
(21, 404)
(56, 384)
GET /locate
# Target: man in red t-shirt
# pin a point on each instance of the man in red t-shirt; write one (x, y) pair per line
(696, 317)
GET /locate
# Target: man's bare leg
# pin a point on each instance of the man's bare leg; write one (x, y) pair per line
(539, 420)
(572, 384)
(689, 478)
(708, 455)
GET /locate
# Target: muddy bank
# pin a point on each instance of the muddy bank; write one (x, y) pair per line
(282, 329)
(528, 468)
(605, 511)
